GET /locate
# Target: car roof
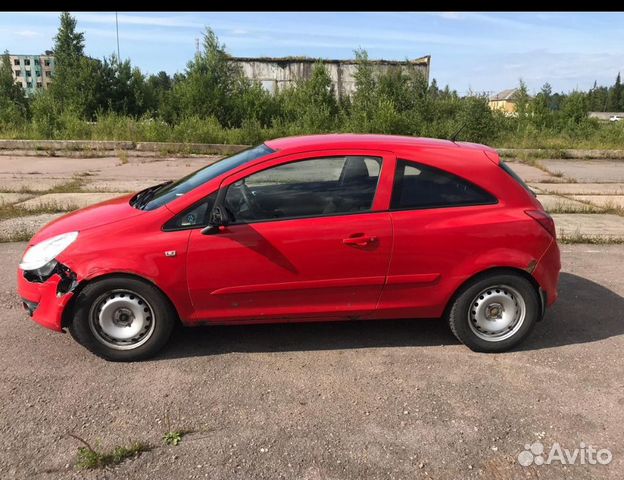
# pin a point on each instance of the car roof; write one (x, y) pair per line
(353, 140)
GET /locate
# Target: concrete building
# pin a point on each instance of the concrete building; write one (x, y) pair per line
(504, 101)
(276, 73)
(32, 72)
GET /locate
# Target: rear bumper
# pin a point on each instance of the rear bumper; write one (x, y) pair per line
(44, 303)
(547, 274)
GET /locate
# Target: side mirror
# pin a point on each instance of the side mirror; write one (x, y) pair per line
(218, 218)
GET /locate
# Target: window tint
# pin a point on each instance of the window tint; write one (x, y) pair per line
(194, 217)
(418, 186)
(320, 186)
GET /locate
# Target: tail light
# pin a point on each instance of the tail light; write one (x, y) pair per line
(544, 220)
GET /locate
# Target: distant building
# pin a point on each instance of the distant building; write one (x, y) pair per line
(32, 72)
(276, 73)
(504, 101)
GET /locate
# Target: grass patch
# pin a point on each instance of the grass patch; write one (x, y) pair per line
(71, 186)
(529, 155)
(572, 238)
(90, 458)
(566, 208)
(608, 207)
(123, 156)
(174, 437)
(20, 235)
(56, 207)
(570, 152)
(555, 180)
(12, 211)
(74, 185)
(615, 210)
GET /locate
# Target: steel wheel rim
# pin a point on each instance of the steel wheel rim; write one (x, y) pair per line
(497, 313)
(122, 319)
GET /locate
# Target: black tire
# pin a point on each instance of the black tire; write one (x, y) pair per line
(459, 314)
(84, 328)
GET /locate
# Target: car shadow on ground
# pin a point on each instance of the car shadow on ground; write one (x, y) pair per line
(585, 312)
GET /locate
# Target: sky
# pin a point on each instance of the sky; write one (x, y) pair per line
(471, 52)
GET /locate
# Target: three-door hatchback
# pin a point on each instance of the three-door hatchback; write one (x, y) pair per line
(313, 228)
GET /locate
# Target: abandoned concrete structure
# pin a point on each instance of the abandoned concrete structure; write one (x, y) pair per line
(277, 73)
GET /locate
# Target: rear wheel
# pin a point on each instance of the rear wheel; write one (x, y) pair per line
(495, 312)
(122, 319)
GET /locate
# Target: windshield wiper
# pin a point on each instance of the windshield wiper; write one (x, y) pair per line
(146, 195)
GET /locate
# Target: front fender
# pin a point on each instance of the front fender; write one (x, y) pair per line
(143, 257)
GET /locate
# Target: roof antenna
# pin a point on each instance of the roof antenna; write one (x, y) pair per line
(454, 136)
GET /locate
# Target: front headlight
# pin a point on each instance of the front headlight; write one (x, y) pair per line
(44, 252)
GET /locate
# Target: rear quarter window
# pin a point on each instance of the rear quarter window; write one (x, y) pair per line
(419, 186)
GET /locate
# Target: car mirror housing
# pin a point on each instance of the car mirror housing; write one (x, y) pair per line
(210, 230)
(219, 217)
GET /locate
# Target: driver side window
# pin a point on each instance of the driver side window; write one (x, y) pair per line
(306, 188)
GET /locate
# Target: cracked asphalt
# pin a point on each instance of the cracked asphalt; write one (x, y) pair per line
(368, 400)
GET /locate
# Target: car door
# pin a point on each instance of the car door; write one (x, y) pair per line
(307, 240)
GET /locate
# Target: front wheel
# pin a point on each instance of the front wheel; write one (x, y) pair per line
(494, 313)
(122, 319)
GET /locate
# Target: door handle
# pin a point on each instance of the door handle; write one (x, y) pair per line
(360, 241)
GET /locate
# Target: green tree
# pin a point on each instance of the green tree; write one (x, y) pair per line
(127, 91)
(81, 85)
(574, 109)
(66, 87)
(434, 91)
(477, 118)
(13, 103)
(597, 98)
(540, 107)
(160, 82)
(68, 43)
(616, 96)
(310, 105)
(522, 101)
(210, 83)
(364, 100)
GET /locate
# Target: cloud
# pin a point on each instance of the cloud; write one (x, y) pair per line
(450, 15)
(27, 33)
(564, 70)
(150, 36)
(338, 34)
(139, 20)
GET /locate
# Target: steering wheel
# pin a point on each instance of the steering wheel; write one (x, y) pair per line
(251, 200)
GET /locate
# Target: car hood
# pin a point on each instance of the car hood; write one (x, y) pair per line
(93, 216)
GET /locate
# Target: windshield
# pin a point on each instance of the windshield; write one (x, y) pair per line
(178, 188)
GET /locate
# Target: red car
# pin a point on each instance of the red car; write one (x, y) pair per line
(313, 228)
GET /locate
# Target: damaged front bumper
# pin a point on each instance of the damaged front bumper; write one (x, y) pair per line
(45, 299)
